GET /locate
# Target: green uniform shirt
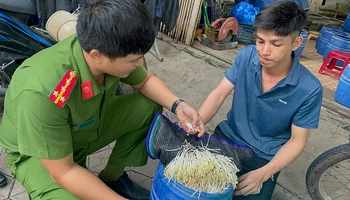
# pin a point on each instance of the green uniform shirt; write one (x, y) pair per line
(33, 125)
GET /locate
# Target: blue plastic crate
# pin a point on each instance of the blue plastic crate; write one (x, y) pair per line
(246, 34)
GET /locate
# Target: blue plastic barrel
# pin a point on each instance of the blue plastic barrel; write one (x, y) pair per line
(163, 189)
(305, 4)
(320, 39)
(299, 51)
(342, 92)
(338, 42)
(347, 23)
(325, 36)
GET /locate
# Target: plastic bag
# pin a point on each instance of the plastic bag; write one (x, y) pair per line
(244, 13)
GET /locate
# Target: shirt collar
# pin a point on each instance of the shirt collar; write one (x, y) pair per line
(293, 75)
(83, 70)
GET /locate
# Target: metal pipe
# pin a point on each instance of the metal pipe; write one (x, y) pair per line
(156, 55)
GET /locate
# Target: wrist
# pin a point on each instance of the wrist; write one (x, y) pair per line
(267, 172)
(176, 105)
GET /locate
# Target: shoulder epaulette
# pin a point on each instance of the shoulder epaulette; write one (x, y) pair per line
(64, 88)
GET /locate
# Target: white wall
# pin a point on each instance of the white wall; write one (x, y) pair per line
(315, 4)
(329, 2)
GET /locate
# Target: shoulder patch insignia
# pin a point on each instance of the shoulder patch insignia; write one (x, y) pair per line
(64, 88)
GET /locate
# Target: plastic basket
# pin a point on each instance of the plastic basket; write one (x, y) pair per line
(246, 34)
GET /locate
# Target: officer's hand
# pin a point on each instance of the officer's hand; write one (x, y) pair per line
(190, 120)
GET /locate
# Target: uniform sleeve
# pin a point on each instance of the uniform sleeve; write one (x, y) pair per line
(231, 74)
(136, 77)
(43, 128)
(307, 116)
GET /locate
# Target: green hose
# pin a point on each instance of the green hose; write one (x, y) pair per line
(206, 18)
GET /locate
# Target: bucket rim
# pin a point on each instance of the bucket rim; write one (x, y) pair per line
(181, 187)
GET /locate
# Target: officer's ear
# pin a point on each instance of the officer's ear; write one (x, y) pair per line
(96, 56)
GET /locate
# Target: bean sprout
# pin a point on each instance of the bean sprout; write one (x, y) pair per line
(202, 169)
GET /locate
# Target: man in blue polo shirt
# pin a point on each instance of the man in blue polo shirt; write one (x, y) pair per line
(276, 100)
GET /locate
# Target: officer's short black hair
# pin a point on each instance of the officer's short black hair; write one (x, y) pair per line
(116, 28)
(283, 17)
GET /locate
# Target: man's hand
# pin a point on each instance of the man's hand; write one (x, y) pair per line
(250, 183)
(155, 89)
(186, 113)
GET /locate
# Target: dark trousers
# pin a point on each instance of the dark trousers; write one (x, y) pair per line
(251, 164)
(268, 186)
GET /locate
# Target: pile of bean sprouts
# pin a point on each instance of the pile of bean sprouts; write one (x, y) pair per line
(202, 169)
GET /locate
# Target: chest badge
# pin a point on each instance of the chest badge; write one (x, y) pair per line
(87, 90)
(284, 102)
(64, 88)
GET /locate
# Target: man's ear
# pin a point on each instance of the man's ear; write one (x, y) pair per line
(96, 56)
(297, 42)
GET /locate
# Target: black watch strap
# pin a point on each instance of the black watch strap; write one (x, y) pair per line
(175, 104)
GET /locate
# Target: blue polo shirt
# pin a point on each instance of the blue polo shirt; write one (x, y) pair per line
(262, 120)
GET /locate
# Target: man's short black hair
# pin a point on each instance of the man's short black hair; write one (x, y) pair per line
(116, 28)
(283, 17)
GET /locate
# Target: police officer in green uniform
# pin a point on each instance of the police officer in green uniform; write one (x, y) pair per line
(61, 106)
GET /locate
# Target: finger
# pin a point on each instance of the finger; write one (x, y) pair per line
(195, 119)
(241, 178)
(243, 191)
(252, 191)
(237, 193)
(241, 185)
(257, 190)
(183, 119)
(201, 128)
(183, 125)
(192, 130)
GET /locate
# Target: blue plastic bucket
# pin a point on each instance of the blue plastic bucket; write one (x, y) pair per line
(342, 92)
(325, 36)
(162, 189)
(299, 51)
(338, 42)
(347, 23)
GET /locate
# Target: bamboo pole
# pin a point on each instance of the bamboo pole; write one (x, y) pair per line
(180, 21)
(186, 23)
(189, 20)
(193, 23)
(186, 19)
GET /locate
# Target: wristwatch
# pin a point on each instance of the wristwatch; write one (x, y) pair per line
(175, 104)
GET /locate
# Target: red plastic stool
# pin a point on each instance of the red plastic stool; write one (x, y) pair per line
(331, 67)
